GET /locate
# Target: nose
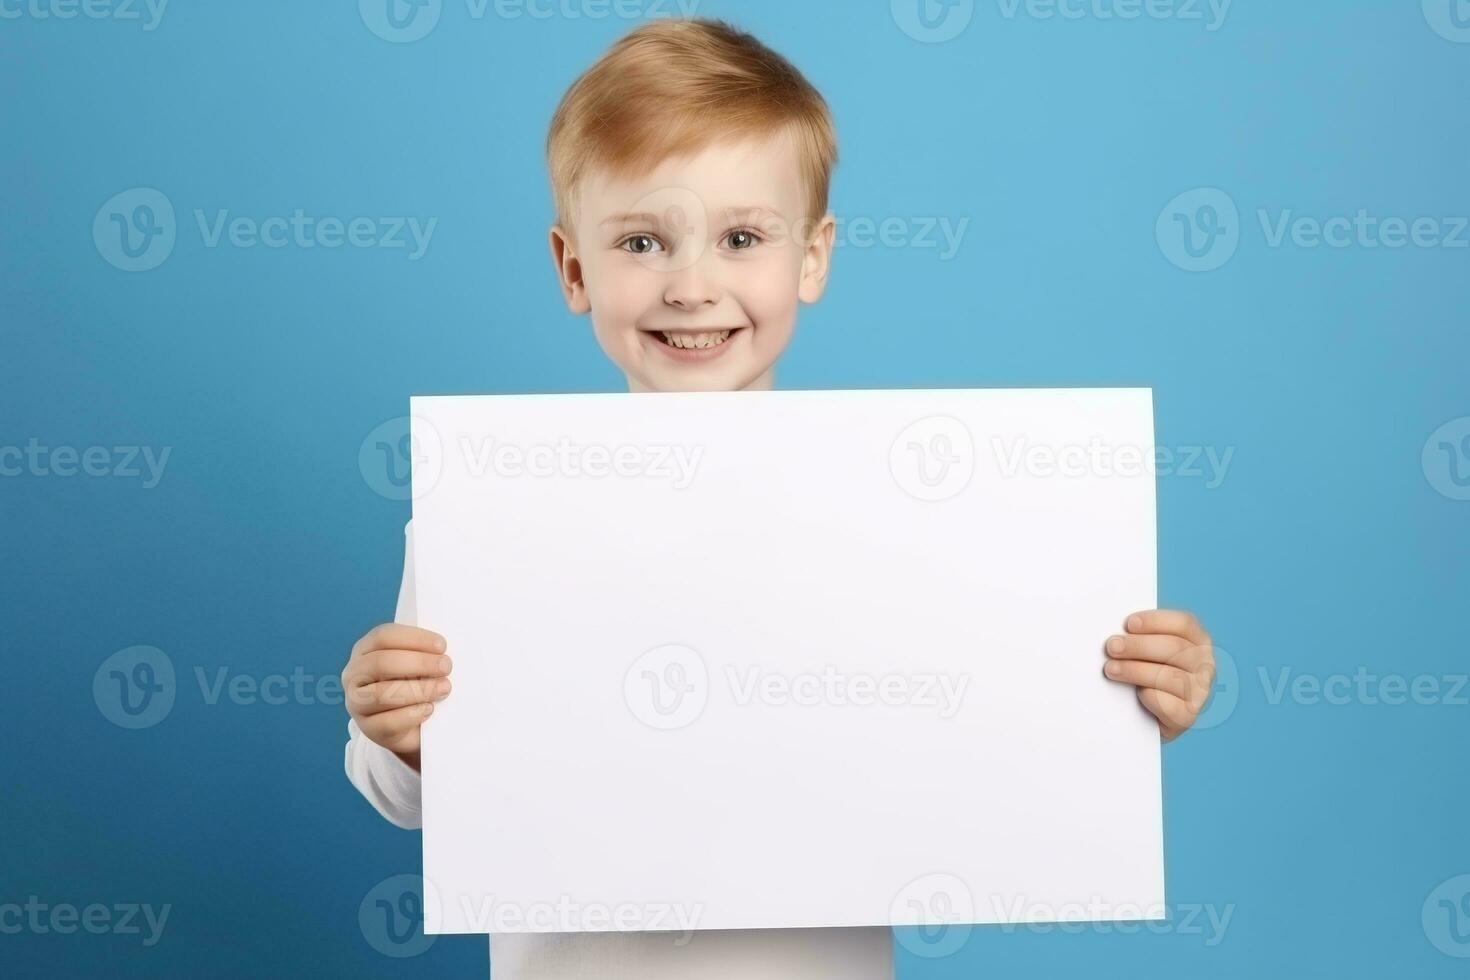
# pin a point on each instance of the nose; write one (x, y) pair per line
(693, 286)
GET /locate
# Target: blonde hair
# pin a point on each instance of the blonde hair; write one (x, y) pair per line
(672, 87)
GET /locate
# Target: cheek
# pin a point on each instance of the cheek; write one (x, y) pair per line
(618, 299)
(770, 298)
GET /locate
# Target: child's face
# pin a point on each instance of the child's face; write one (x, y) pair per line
(693, 272)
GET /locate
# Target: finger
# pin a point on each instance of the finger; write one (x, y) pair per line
(379, 665)
(1160, 648)
(387, 695)
(1175, 715)
(398, 729)
(1172, 621)
(1160, 677)
(398, 636)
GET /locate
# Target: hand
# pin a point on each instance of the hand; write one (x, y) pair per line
(393, 678)
(1168, 655)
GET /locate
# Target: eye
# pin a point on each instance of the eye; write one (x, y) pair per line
(742, 238)
(640, 244)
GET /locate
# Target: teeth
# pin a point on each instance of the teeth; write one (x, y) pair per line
(696, 341)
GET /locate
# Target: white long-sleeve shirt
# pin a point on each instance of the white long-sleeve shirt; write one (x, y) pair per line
(727, 954)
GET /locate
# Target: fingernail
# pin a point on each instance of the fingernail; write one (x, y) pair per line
(446, 665)
(441, 690)
(426, 709)
(1115, 645)
(439, 644)
(1135, 623)
(1112, 669)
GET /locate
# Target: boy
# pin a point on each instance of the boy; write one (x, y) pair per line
(690, 167)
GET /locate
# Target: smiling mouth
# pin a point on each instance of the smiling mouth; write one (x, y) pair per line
(689, 340)
(693, 341)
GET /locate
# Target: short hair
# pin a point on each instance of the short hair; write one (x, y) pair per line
(673, 87)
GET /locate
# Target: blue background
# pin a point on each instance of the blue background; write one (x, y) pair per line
(265, 549)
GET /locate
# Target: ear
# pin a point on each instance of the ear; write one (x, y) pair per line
(568, 271)
(816, 262)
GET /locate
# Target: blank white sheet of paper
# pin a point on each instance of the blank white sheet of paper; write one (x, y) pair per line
(786, 659)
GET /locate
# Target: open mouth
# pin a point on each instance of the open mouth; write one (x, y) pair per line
(684, 340)
(694, 344)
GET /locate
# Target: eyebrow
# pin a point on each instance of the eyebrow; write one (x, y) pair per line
(647, 217)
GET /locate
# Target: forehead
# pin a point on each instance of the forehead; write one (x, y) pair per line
(761, 172)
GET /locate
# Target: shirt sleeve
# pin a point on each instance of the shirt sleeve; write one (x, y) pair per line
(389, 784)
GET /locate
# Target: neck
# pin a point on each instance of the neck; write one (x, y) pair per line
(765, 382)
